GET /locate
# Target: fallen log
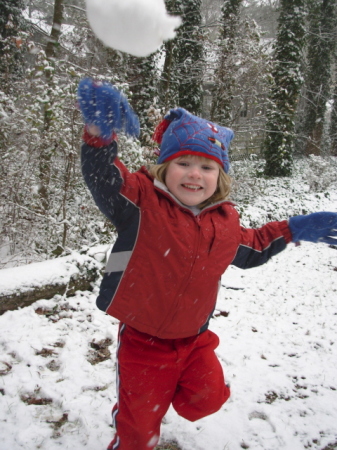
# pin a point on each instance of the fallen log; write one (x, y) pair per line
(22, 286)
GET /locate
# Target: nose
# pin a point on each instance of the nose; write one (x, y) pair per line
(194, 172)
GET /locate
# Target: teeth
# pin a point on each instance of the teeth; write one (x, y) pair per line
(196, 188)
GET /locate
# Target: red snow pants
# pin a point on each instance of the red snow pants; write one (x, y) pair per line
(154, 373)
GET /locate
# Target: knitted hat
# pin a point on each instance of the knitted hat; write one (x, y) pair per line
(181, 133)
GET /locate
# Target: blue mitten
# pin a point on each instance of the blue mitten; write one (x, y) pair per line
(316, 227)
(106, 107)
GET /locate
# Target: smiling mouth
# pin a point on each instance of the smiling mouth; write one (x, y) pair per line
(192, 187)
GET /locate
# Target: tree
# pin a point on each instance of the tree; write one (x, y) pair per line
(12, 26)
(142, 79)
(190, 58)
(182, 74)
(238, 78)
(321, 44)
(224, 75)
(56, 29)
(52, 144)
(286, 85)
(333, 120)
(170, 76)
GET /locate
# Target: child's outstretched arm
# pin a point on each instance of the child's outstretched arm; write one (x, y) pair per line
(316, 227)
(257, 246)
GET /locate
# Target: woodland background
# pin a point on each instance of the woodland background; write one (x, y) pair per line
(267, 69)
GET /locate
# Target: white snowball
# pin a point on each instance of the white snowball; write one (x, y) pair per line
(137, 27)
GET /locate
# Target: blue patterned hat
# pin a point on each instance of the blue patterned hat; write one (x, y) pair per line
(181, 133)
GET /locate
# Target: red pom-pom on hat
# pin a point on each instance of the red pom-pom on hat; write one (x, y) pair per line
(160, 130)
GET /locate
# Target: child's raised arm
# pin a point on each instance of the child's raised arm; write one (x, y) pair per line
(105, 111)
(104, 106)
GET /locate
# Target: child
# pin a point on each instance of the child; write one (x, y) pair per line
(176, 236)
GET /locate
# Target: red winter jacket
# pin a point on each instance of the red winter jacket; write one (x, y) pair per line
(163, 274)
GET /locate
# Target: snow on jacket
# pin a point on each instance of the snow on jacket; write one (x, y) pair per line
(163, 273)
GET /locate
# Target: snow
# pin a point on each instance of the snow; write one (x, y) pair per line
(278, 331)
(138, 27)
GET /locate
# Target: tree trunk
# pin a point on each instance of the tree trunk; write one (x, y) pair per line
(313, 144)
(320, 51)
(333, 123)
(166, 88)
(224, 83)
(190, 58)
(46, 154)
(56, 29)
(278, 146)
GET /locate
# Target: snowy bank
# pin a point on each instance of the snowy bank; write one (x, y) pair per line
(21, 286)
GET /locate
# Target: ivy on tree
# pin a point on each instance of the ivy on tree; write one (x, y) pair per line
(286, 84)
(12, 24)
(224, 75)
(321, 44)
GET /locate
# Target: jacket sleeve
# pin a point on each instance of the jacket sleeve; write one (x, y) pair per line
(106, 178)
(257, 246)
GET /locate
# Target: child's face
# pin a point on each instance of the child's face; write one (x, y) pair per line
(192, 179)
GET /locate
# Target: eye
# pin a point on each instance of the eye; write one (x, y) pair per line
(182, 163)
(207, 167)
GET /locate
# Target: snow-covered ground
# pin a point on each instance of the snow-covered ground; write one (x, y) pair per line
(278, 331)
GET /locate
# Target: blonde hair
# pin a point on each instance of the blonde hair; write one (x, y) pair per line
(222, 191)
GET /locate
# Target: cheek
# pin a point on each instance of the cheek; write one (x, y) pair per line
(168, 183)
(171, 178)
(213, 183)
(173, 175)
